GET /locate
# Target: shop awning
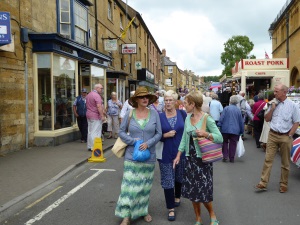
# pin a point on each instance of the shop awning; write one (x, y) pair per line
(116, 74)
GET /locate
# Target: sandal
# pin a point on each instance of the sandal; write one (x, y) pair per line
(171, 218)
(109, 137)
(126, 221)
(214, 221)
(198, 223)
(148, 218)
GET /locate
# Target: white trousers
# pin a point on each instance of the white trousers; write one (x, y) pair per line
(94, 130)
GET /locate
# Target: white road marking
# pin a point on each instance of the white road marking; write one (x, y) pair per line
(66, 196)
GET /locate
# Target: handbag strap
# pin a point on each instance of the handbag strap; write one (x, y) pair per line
(129, 118)
(258, 108)
(203, 127)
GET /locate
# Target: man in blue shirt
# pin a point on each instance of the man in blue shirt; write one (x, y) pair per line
(79, 109)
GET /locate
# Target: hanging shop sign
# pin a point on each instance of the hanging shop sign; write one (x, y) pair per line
(110, 45)
(128, 48)
(5, 28)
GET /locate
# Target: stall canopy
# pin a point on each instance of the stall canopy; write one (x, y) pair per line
(215, 85)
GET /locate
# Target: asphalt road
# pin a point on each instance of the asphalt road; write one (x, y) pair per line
(88, 195)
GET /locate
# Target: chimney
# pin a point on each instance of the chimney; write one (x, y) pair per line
(164, 52)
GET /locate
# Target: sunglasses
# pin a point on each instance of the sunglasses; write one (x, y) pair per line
(142, 97)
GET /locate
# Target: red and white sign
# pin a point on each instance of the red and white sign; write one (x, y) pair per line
(128, 48)
(255, 64)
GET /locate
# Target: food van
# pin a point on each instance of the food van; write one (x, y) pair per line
(254, 75)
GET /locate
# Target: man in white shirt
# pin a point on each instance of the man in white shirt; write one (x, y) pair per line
(126, 106)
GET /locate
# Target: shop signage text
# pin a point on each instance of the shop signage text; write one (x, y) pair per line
(5, 32)
(110, 45)
(277, 63)
(128, 48)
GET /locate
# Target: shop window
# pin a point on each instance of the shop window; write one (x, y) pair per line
(56, 91)
(63, 91)
(97, 76)
(73, 20)
(44, 91)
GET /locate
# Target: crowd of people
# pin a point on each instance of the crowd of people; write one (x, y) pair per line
(176, 121)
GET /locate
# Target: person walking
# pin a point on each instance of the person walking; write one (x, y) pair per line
(138, 176)
(126, 107)
(157, 106)
(79, 109)
(197, 185)
(257, 123)
(113, 110)
(94, 115)
(215, 108)
(266, 127)
(172, 125)
(231, 125)
(284, 118)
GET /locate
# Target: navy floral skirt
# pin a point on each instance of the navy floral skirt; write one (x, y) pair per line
(197, 184)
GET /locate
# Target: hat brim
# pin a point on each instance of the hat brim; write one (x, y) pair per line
(133, 103)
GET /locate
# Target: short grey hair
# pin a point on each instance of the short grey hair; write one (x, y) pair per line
(260, 96)
(214, 96)
(171, 93)
(234, 100)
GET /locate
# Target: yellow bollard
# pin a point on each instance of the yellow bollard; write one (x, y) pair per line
(97, 153)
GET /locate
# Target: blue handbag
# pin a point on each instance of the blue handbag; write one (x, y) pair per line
(140, 155)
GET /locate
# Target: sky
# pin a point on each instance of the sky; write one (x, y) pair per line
(193, 32)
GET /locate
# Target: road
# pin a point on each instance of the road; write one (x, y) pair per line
(88, 195)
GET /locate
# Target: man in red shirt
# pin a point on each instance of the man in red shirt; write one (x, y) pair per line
(94, 115)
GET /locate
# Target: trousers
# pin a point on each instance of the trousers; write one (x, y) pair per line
(275, 141)
(94, 130)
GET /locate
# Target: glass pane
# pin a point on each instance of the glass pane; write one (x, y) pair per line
(44, 91)
(65, 5)
(65, 29)
(97, 76)
(65, 17)
(63, 91)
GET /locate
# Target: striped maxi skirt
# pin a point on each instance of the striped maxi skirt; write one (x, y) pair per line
(135, 190)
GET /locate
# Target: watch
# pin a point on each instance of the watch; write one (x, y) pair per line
(208, 136)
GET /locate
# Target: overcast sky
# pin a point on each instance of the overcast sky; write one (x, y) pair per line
(193, 32)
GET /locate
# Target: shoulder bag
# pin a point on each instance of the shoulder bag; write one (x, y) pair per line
(119, 147)
(211, 152)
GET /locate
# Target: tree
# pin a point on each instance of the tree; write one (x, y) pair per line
(235, 49)
(212, 78)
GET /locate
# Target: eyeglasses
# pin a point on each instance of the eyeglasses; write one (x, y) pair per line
(142, 97)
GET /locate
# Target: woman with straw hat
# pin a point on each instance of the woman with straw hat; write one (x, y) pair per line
(137, 180)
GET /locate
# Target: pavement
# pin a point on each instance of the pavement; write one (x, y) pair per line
(26, 171)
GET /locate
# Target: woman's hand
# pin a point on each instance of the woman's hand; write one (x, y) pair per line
(201, 133)
(169, 134)
(176, 160)
(143, 146)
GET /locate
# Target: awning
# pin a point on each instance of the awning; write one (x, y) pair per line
(116, 74)
(215, 86)
(148, 84)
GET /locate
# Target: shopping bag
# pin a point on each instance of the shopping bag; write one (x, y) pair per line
(140, 155)
(119, 148)
(159, 149)
(240, 149)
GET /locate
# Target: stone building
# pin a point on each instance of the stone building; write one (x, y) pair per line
(58, 48)
(285, 35)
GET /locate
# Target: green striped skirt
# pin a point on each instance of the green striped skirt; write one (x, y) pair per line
(135, 190)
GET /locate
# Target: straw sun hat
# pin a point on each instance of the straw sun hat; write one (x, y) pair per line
(141, 91)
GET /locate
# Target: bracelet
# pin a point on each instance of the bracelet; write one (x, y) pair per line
(208, 136)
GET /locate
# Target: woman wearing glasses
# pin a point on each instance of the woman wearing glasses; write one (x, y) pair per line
(172, 125)
(138, 176)
(197, 183)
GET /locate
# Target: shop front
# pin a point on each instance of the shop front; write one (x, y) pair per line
(146, 78)
(116, 83)
(62, 68)
(255, 75)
